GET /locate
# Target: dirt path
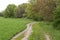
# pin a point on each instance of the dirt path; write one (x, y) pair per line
(26, 32)
(47, 37)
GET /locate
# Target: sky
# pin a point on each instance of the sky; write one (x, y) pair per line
(4, 3)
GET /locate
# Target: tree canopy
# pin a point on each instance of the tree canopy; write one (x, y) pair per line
(10, 11)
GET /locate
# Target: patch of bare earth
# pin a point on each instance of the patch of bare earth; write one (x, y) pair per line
(47, 37)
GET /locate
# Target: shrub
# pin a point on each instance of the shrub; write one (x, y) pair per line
(1, 14)
(57, 18)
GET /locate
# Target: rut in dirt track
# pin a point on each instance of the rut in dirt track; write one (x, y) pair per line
(26, 32)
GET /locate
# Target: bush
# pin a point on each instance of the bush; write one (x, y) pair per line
(56, 24)
(57, 18)
(1, 14)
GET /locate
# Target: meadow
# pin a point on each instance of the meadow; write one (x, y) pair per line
(42, 27)
(11, 26)
(49, 29)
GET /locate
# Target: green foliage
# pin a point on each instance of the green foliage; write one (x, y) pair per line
(40, 9)
(10, 26)
(29, 11)
(10, 11)
(33, 12)
(47, 7)
(1, 14)
(57, 18)
(21, 10)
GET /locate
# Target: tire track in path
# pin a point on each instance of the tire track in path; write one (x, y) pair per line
(26, 32)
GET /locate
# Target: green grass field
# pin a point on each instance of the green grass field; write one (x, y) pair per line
(40, 28)
(54, 34)
(10, 26)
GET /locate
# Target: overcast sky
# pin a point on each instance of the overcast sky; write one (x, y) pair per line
(4, 3)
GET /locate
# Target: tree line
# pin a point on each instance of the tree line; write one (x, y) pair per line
(39, 10)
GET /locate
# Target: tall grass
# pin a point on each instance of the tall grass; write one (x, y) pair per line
(10, 26)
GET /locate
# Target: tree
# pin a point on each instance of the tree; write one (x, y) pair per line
(33, 11)
(10, 11)
(56, 23)
(21, 10)
(46, 8)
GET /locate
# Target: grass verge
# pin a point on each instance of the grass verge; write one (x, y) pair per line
(37, 34)
(42, 27)
(48, 28)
